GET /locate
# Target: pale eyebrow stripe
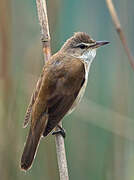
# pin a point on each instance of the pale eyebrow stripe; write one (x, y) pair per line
(81, 44)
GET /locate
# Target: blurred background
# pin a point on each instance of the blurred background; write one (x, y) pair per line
(100, 133)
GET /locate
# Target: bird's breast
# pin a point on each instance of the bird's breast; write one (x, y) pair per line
(82, 90)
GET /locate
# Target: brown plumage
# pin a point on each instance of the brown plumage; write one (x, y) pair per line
(58, 90)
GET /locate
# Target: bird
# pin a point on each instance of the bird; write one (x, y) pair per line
(59, 90)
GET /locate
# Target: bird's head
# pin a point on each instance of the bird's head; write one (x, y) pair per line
(81, 45)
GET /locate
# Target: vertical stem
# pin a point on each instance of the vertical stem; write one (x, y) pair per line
(61, 156)
(120, 32)
(45, 37)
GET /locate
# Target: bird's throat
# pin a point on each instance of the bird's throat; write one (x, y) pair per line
(88, 56)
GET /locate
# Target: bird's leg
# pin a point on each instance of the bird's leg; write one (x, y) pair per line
(60, 131)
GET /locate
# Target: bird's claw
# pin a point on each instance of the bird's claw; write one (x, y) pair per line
(61, 131)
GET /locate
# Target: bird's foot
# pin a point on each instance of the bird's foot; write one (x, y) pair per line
(60, 131)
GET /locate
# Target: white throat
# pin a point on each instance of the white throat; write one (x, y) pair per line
(88, 56)
(87, 59)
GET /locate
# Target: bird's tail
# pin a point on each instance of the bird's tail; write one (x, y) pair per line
(32, 143)
(30, 150)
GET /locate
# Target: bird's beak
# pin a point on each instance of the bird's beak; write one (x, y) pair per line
(98, 44)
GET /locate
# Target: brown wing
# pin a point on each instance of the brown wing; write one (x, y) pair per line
(60, 85)
(67, 89)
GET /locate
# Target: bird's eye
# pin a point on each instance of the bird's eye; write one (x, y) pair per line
(82, 46)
